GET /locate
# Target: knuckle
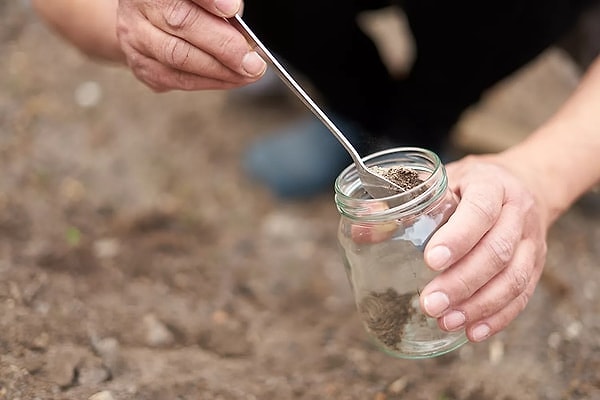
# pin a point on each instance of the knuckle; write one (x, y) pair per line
(521, 301)
(228, 46)
(151, 80)
(543, 249)
(184, 81)
(180, 14)
(122, 30)
(140, 67)
(500, 250)
(147, 75)
(518, 281)
(177, 52)
(143, 69)
(135, 61)
(484, 310)
(483, 207)
(471, 159)
(466, 289)
(529, 202)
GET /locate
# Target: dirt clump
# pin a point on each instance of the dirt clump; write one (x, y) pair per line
(386, 313)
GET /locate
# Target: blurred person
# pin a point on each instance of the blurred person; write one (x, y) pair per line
(492, 250)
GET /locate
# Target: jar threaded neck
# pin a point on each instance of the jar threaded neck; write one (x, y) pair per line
(353, 202)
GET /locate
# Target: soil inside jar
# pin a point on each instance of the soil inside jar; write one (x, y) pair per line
(386, 314)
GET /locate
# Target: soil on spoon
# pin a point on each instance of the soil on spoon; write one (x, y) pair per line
(405, 178)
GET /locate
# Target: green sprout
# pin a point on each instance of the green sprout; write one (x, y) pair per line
(73, 236)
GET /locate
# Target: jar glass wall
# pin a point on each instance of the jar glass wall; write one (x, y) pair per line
(382, 243)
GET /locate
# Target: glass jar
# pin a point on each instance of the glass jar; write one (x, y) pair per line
(382, 243)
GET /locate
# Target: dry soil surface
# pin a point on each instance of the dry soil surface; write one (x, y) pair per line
(138, 262)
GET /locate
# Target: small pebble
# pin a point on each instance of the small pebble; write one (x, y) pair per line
(92, 375)
(103, 395)
(157, 333)
(496, 352)
(554, 340)
(573, 330)
(106, 248)
(71, 190)
(61, 363)
(88, 94)
(398, 385)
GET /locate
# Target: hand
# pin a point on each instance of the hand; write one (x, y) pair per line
(491, 251)
(185, 44)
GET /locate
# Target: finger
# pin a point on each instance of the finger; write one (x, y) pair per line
(490, 256)
(162, 78)
(223, 8)
(498, 293)
(479, 208)
(482, 330)
(209, 33)
(181, 55)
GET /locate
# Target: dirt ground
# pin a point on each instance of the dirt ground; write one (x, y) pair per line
(138, 262)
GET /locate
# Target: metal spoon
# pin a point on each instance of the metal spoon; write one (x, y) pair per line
(376, 185)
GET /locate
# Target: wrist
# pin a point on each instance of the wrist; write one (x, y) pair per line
(555, 173)
(560, 160)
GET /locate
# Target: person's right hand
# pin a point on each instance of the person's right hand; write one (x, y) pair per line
(186, 45)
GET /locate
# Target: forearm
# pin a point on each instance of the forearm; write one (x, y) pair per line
(562, 158)
(90, 25)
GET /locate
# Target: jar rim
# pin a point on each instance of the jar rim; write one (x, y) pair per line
(406, 200)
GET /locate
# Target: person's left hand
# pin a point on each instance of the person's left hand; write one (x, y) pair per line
(491, 251)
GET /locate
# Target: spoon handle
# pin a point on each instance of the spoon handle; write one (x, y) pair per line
(257, 45)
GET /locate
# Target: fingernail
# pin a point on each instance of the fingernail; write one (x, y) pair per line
(436, 303)
(227, 7)
(253, 65)
(438, 257)
(454, 320)
(480, 332)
